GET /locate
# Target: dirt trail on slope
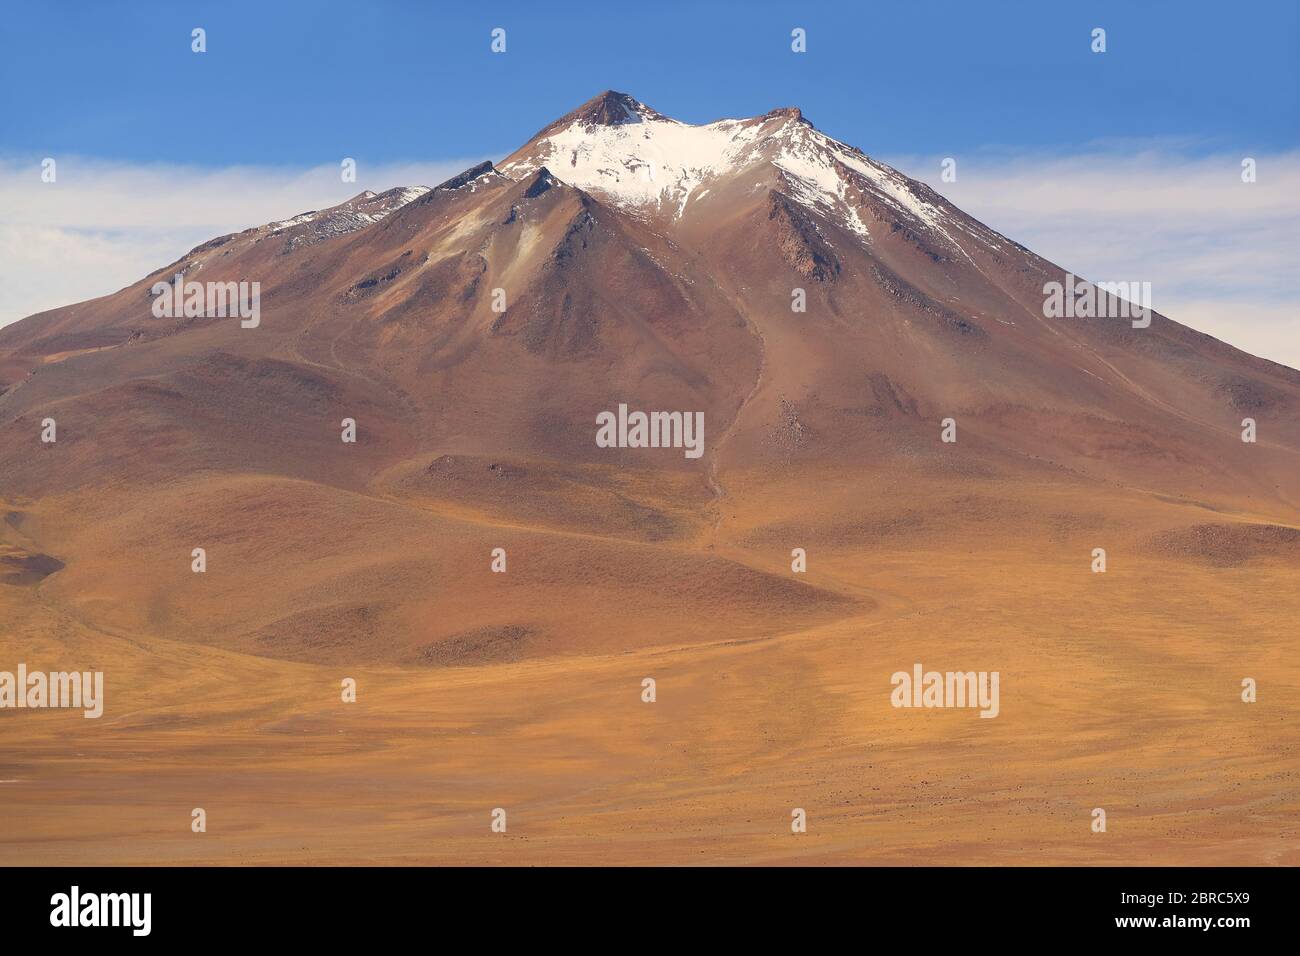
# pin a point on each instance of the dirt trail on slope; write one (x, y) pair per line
(711, 477)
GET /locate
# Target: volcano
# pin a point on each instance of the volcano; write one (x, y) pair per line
(879, 388)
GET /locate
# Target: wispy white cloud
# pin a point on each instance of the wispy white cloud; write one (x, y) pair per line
(101, 226)
(1220, 254)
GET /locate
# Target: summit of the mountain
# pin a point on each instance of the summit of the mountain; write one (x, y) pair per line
(628, 154)
(789, 113)
(610, 108)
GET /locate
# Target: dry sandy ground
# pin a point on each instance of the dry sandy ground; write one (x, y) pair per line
(1118, 690)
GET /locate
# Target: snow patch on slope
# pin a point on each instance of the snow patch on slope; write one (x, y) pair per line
(356, 213)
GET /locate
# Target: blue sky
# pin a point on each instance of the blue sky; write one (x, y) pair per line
(297, 83)
(1120, 166)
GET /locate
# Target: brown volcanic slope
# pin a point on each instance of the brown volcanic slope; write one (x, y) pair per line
(646, 262)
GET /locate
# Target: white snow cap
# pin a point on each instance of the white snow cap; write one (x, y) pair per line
(627, 153)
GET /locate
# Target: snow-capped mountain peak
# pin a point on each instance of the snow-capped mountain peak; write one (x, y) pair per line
(626, 153)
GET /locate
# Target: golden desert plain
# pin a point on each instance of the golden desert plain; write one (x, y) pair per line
(1119, 690)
